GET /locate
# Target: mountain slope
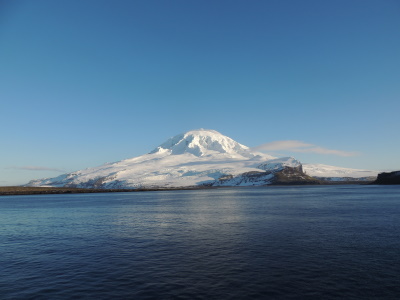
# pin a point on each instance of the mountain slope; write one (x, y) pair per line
(193, 158)
(331, 173)
(198, 157)
(204, 142)
(279, 171)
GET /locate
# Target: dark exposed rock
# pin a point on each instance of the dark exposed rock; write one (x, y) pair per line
(293, 176)
(388, 178)
(244, 179)
(253, 174)
(282, 176)
(225, 177)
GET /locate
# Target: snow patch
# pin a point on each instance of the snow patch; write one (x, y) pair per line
(279, 164)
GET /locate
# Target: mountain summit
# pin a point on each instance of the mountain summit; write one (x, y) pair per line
(197, 157)
(203, 142)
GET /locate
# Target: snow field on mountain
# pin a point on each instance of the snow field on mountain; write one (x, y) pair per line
(320, 170)
(194, 158)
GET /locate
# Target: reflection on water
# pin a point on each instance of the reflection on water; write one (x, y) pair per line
(236, 243)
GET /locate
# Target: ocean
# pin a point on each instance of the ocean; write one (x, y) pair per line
(303, 242)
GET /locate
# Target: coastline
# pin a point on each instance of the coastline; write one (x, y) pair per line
(22, 190)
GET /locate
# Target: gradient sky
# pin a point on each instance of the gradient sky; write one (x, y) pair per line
(84, 82)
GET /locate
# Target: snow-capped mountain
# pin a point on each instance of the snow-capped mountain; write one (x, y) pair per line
(204, 142)
(198, 157)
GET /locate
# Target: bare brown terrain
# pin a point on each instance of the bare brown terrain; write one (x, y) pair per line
(22, 190)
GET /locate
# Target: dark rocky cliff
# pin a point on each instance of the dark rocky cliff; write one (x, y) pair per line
(293, 176)
(283, 176)
(388, 178)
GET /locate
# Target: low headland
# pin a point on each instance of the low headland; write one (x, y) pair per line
(388, 178)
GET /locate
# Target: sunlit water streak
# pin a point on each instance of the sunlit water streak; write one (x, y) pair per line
(237, 243)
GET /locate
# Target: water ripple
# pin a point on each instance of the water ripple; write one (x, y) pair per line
(278, 243)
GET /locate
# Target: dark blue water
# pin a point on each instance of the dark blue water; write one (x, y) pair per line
(324, 242)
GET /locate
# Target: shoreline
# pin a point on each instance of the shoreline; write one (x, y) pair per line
(22, 190)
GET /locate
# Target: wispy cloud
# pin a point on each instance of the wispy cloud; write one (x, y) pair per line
(36, 168)
(299, 146)
(321, 150)
(282, 145)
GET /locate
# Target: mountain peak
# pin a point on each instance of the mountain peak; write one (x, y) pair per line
(201, 142)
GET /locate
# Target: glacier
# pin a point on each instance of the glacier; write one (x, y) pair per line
(196, 158)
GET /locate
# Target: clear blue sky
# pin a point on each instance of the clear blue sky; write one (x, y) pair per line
(88, 82)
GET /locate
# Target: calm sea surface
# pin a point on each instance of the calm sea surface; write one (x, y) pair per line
(324, 242)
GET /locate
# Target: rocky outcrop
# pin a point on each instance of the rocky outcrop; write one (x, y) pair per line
(279, 176)
(293, 176)
(253, 178)
(388, 178)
